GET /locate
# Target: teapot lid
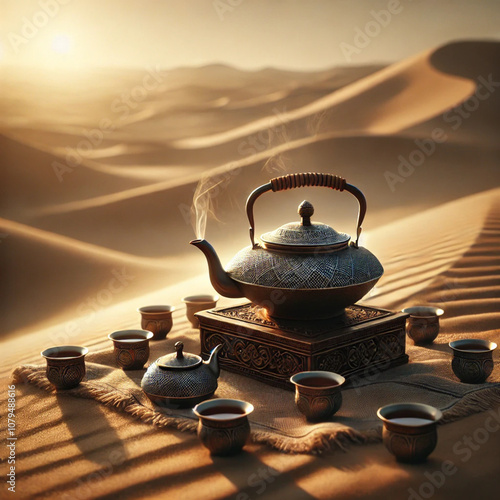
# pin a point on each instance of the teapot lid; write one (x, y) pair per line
(179, 360)
(305, 235)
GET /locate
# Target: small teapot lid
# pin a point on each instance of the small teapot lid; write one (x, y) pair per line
(305, 235)
(179, 360)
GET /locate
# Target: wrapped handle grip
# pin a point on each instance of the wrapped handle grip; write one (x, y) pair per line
(292, 181)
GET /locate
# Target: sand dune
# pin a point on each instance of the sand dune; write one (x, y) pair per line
(392, 99)
(421, 255)
(352, 139)
(104, 93)
(477, 119)
(28, 180)
(467, 286)
(439, 248)
(51, 277)
(129, 200)
(362, 161)
(79, 256)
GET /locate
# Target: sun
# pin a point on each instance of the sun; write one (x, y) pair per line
(62, 43)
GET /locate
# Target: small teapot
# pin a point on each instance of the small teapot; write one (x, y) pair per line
(181, 380)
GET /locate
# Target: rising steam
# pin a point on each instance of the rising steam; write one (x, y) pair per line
(205, 197)
(278, 136)
(202, 205)
(276, 164)
(316, 122)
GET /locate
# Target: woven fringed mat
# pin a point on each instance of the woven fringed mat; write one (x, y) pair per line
(276, 421)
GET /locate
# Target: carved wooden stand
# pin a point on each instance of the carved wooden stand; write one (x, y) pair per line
(361, 342)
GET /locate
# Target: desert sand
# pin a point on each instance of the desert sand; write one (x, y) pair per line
(89, 232)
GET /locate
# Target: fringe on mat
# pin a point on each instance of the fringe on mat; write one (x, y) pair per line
(316, 442)
(473, 402)
(112, 398)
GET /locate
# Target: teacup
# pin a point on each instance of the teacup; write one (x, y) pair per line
(65, 365)
(472, 359)
(423, 323)
(318, 394)
(223, 425)
(131, 348)
(410, 432)
(157, 319)
(196, 303)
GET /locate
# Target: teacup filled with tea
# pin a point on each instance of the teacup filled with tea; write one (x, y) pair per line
(318, 394)
(197, 303)
(223, 425)
(409, 431)
(65, 365)
(472, 359)
(423, 323)
(157, 319)
(131, 348)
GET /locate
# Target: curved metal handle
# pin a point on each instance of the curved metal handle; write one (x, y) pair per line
(291, 181)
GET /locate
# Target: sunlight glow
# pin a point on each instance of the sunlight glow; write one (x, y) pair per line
(62, 44)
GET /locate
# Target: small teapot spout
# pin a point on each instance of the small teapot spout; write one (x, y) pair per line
(220, 280)
(213, 360)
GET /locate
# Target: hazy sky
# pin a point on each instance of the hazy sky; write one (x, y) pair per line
(296, 34)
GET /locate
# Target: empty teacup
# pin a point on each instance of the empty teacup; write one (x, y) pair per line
(157, 319)
(472, 359)
(318, 393)
(196, 303)
(423, 323)
(131, 348)
(409, 431)
(65, 365)
(223, 427)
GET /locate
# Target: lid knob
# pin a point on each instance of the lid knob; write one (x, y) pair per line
(179, 346)
(306, 210)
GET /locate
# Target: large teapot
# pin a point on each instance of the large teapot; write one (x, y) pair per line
(302, 270)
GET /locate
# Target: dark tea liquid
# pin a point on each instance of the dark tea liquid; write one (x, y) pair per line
(65, 354)
(472, 347)
(412, 421)
(129, 338)
(223, 412)
(318, 382)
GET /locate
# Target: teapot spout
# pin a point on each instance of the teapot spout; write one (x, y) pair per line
(220, 280)
(213, 360)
